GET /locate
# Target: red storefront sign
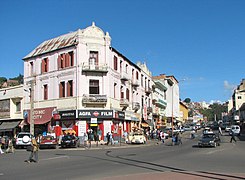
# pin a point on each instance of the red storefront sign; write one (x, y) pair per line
(41, 115)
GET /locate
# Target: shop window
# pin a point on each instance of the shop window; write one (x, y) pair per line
(94, 87)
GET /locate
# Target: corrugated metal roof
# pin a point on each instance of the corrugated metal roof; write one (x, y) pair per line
(54, 44)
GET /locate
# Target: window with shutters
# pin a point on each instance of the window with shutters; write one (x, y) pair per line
(115, 63)
(45, 92)
(44, 65)
(70, 88)
(62, 89)
(127, 94)
(94, 87)
(31, 68)
(93, 58)
(71, 58)
(137, 75)
(66, 60)
(122, 94)
(115, 90)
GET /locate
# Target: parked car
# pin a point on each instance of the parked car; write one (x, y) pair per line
(48, 142)
(138, 138)
(188, 128)
(236, 129)
(23, 140)
(209, 140)
(70, 141)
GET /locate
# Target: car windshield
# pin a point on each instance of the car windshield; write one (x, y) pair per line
(47, 138)
(68, 137)
(22, 135)
(208, 135)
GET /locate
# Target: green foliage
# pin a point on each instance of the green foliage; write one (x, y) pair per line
(18, 78)
(214, 110)
(187, 100)
(2, 80)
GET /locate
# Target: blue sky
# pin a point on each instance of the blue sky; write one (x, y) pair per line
(199, 41)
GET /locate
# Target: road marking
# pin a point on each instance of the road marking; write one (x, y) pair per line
(55, 158)
(215, 151)
(1, 174)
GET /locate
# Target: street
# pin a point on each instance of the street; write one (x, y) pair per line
(150, 161)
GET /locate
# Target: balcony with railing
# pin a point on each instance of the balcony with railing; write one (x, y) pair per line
(86, 67)
(124, 76)
(124, 103)
(94, 99)
(136, 106)
(135, 82)
(148, 90)
(161, 103)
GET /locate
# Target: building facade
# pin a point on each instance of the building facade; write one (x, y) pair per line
(80, 82)
(11, 110)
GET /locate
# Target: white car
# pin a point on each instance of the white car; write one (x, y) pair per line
(138, 138)
(23, 140)
(236, 129)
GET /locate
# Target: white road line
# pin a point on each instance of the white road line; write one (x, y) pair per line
(1, 174)
(215, 151)
(55, 158)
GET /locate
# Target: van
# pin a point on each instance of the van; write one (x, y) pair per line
(236, 129)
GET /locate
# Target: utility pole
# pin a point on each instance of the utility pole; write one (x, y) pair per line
(32, 108)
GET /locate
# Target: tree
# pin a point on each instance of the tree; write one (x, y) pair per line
(214, 112)
(2, 80)
(19, 78)
(187, 100)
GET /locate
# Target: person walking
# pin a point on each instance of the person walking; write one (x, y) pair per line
(220, 131)
(1, 151)
(232, 137)
(10, 148)
(108, 138)
(34, 151)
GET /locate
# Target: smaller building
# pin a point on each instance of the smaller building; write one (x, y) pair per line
(11, 113)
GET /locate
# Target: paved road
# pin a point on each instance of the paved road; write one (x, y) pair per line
(150, 161)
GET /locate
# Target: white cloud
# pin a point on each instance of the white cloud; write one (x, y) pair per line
(228, 86)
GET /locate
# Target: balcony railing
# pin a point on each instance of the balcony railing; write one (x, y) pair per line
(161, 103)
(125, 76)
(136, 106)
(148, 90)
(135, 82)
(124, 103)
(94, 99)
(86, 67)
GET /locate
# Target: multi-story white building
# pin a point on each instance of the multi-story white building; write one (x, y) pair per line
(11, 112)
(159, 102)
(80, 82)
